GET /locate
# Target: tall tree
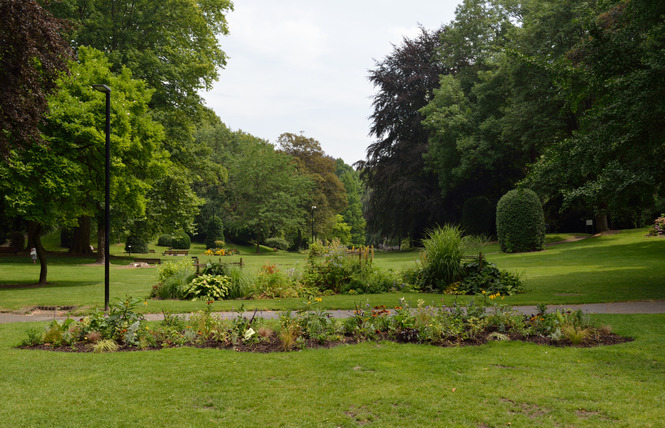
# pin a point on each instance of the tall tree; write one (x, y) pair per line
(613, 80)
(33, 54)
(403, 198)
(75, 129)
(328, 194)
(265, 193)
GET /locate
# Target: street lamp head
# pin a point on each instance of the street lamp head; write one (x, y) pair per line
(313, 207)
(102, 88)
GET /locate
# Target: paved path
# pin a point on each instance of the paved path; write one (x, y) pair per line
(638, 307)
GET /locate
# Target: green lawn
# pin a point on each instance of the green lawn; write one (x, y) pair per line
(618, 267)
(374, 384)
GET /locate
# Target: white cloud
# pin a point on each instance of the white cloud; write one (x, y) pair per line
(299, 65)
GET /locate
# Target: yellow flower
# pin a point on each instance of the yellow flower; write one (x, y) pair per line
(483, 291)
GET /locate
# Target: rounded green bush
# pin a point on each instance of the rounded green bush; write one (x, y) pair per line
(181, 241)
(478, 216)
(520, 222)
(137, 245)
(164, 241)
(279, 243)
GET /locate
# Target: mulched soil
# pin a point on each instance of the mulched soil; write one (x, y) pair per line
(272, 344)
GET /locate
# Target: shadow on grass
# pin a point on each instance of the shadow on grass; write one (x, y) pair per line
(17, 285)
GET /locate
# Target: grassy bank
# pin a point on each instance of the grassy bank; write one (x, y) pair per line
(616, 267)
(385, 384)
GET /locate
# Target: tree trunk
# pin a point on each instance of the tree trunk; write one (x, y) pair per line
(602, 225)
(81, 238)
(258, 239)
(34, 236)
(101, 241)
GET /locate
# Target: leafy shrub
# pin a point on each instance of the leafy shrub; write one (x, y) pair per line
(478, 216)
(481, 276)
(272, 283)
(214, 232)
(207, 287)
(659, 225)
(164, 241)
(520, 221)
(333, 267)
(240, 283)
(173, 278)
(279, 243)
(181, 241)
(134, 244)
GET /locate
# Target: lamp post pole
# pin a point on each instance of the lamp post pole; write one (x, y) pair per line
(313, 208)
(107, 203)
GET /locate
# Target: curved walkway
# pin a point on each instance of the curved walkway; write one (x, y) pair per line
(637, 307)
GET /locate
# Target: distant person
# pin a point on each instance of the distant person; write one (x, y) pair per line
(33, 255)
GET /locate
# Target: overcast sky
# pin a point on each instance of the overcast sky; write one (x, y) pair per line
(302, 65)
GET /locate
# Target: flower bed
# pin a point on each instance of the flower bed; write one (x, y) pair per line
(476, 323)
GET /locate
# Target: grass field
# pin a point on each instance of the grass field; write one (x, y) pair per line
(617, 267)
(372, 384)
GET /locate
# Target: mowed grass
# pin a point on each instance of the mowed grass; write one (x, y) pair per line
(372, 384)
(617, 267)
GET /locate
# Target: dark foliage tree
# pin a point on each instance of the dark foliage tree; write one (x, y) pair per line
(403, 198)
(33, 54)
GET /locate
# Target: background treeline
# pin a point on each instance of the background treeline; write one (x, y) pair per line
(564, 97)
(175, 165)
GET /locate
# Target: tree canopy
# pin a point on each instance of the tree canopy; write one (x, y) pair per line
(33, 54)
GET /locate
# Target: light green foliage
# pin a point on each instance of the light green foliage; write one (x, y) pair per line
(520, 221)
(441, 261)
(333, 268)
(177, 59)
(353, 213)
(265, 191)
(172, 279)
(207, 287)
(341, 231)
(103, 346)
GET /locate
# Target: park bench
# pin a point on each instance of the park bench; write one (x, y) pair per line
(8, 250)
(176, 253)
(149, 261)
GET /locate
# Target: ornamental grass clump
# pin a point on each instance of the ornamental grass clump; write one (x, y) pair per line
(441, 260)
(173, 278)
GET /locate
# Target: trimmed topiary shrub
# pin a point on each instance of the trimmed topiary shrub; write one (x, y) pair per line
(478, 216)
(520, 222)
(181, 241)
(214, 232)
(137, 245)
(164, 241)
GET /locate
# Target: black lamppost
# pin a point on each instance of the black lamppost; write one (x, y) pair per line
(313, 208)
(107, 204)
